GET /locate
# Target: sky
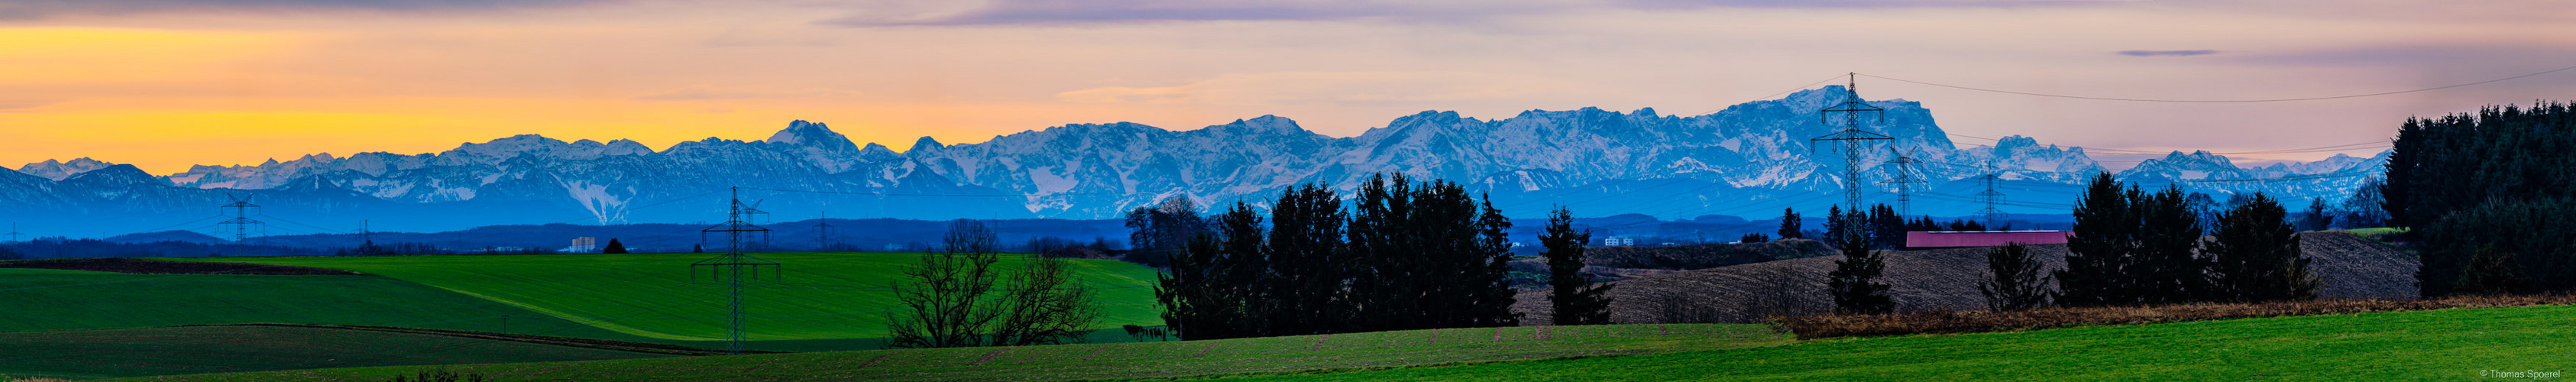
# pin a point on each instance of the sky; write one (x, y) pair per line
(164, 84)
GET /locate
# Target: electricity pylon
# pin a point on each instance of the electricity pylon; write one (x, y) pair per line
(729, 267)
(241, 221)
(1992, 215)
(1904, 179)
(1852, 137)
(823, 232)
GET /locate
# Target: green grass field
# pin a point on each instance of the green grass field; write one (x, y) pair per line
(2451, 344)
(2446, 344)
(46, 299)
(818, 298)
(1121, 360)
(216, 349)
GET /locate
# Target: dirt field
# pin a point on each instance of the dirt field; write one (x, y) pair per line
(1937, 279)
(166, 267)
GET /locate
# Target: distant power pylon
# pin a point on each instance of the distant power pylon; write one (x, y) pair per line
(729, 267)
(753, 214)
(13, 232)
(241, 221)
(1993, 216)
(1904, 181)
(1852, 137)
(823, 232)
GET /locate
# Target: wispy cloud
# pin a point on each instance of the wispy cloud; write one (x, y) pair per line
(19, 105)
(35, 9)
(1047, 12)
(2164, 53)
(706, 94)
(1324, 88)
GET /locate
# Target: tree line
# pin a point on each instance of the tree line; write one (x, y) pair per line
(2128, 247)
(2488, 195)
(2133, 247)
(1404, 254)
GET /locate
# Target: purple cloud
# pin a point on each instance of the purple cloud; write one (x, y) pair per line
(1016, 12)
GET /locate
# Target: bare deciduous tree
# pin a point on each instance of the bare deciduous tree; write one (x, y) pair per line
(1044, 305)
(952, 300)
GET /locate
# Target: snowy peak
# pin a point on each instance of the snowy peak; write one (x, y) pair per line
(1814, 99)
(58, 170)
(925, 143)
(2198, 165)
(625, 147)
(1265, 124)
(123, 174)
(2338, 162)
(812, 134)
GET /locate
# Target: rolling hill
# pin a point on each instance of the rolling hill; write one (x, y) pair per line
(50, 299)
(814, 297)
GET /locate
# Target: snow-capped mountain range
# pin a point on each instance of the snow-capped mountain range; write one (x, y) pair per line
(1748, 160)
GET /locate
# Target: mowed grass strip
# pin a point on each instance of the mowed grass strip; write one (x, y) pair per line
(213, 349)
(47, 299)
(2450, 344)
(813, 296)
(1117, 360)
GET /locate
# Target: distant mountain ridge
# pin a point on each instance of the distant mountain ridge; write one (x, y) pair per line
(1747, 160)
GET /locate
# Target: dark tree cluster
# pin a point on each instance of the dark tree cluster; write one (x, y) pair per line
(1404, 255)
(2133, 247)
(1050, 246)
(1789, 222)
(2488, 193)
(1927, 224)
(1159, 232)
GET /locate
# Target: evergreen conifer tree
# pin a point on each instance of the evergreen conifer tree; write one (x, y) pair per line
(2167, 265)
(2016, 281)
(1242, 267)
(2318, 218)
(1576, 299)
(2256, 256)
(1836, 225)
(2097, 256)
(2490, 272)
(1789, 224)
(1854, 281)
(1309, 262)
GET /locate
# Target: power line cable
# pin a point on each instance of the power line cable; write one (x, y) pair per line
(2223, 101)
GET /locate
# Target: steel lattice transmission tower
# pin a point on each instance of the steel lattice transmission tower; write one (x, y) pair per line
(823, 232)
(1904, 179)
(728, 268)
(241, 221)
(1852, 137)
(1992, 215)
(13, 232)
